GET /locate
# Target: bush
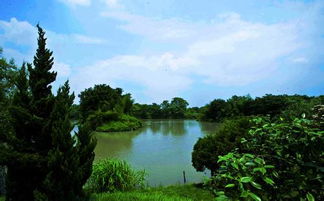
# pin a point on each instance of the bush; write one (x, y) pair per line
(98, 118)
(295, 149)
(242, 176)
(227, 137)
(123, 123)
(110, 175)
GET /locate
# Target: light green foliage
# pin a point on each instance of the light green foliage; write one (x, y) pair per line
(110, 175)
(241, 177)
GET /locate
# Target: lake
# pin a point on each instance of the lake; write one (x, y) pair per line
(162, 147)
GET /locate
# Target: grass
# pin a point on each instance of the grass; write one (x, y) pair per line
(110, 175)
(136, 196)
(124, 123)
(169, 193)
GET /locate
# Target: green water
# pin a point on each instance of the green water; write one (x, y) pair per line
(162, 147)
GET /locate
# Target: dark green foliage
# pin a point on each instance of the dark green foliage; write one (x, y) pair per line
(227, 137)
(275, 106)
(176, 109)
(44, 161)
(217, 110)
(103, 97)
(99, 118)
(110, 175)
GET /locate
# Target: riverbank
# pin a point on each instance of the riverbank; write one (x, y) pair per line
(122, 123)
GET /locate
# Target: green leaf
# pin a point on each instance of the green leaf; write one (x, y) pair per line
(262, 170)
(235, 165)
(229, 185)
(256, 185)
(250, 164)
(254, 196)
(269, 181)
(310, 197)
(269, 166)
(246, 179)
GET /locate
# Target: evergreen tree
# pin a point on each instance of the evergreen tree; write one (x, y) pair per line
(44, 161)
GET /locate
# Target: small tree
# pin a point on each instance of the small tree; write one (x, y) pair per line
(44, 161)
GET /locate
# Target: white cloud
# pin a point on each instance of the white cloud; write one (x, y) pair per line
(155, 29)
(77, 2)
(19, 32)
(227, 51)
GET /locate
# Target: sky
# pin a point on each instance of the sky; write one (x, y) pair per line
(199, 50)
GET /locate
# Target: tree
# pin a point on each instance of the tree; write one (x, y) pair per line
(217, 110)
(178, 107)
(8, 73)
(101, 97)
(44, 161)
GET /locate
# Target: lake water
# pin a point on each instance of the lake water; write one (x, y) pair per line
(162, 147)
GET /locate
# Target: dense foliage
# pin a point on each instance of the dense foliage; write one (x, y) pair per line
(277, 160)
(44, 161)
(8, 73)
(110, 175)
(104, 98)
(288, 107)
(176, 109)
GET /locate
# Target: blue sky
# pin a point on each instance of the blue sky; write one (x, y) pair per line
(158, 49)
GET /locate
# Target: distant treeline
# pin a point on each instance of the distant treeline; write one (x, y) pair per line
(287, 106)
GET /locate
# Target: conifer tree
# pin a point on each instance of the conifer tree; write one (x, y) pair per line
(45, 163)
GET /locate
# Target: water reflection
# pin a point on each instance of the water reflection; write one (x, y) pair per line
(162, 147)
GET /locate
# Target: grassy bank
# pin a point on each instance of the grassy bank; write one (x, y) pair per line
(123, 123)
(168, 193)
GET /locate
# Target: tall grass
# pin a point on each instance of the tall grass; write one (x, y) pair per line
(110, 175)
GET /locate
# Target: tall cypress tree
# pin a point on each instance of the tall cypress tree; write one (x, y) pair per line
(44, 161)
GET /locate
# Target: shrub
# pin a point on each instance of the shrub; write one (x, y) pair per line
(124, 123)
(98, 118)
(227, 137)
(296, 150)
(110, 175)
(242, 177)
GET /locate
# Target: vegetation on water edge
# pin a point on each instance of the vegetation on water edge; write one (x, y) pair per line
(274, 160)
(124, 123)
